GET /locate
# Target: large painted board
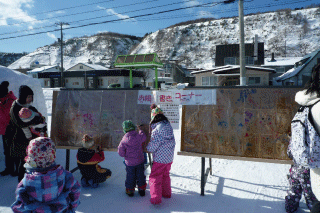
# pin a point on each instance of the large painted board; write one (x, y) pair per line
(245, 122)
(98, 113)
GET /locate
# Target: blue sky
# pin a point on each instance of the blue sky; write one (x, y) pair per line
(133, 17)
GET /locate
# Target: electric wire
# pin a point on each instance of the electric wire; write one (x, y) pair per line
(161, 12)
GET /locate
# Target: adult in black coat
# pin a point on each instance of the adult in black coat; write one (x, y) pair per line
(14, 134)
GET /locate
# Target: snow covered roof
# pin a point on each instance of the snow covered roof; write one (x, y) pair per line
(235, 67)
(42, 69)
(294, 71)
(210, 70)
(93, 66)
(281, 61)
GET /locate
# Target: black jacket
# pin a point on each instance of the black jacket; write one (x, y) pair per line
(14, 135)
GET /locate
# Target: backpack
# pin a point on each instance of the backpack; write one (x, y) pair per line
(304, 146)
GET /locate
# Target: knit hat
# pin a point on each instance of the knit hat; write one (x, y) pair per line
(24, 91)
(26, 114)
(128, 126)
(87, 141)
(155, 110)
(4, 88)
(41, 152)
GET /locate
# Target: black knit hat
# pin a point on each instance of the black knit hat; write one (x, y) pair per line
(24, 91)
(4, 88)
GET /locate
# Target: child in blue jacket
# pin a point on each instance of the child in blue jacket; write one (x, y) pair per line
(46, 187)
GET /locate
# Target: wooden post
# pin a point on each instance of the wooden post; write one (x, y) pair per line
(67, 159)
(203, 163)
(156, 75)
(131, 77)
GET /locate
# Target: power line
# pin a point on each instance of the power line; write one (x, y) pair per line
(67, 8)
(100, 16)
(150, 14)
(97, 23)
(80, 13)
(268, 5)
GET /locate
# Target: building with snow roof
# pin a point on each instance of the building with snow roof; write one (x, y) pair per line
(301, 72)
(229, 75)
(89, 76)
(34, 74)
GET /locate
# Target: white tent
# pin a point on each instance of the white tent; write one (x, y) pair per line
(16, 79)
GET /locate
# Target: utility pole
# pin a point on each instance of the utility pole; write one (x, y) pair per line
(61, 45)
(242, 46)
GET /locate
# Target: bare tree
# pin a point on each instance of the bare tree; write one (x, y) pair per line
(145, 75)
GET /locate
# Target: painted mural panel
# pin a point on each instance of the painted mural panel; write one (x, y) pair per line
(98, 113)
(245, 122)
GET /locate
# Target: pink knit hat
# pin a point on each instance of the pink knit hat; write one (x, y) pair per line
(26, 113)
(41, 152)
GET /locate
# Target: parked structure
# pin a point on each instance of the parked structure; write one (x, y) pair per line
(301, 72)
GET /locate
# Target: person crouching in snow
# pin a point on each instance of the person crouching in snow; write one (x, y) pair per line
(88, 158)
(46, 187)
(131, 148)
(161, 145)
(26, 115)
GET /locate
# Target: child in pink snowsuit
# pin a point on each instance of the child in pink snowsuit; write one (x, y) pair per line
(162, 144)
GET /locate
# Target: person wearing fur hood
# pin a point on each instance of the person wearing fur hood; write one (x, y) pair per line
(311, 96)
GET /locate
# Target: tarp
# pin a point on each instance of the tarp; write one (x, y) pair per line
(98, 113)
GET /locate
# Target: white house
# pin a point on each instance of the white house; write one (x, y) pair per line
(301, 72)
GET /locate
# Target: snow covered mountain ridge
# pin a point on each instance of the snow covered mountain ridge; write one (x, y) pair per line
(287, 33)
(101, 48)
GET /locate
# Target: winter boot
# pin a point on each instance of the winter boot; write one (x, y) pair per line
(155, 201)
(142, 193)
(9, 166)
(130, 192)
(5, 172)
(93, 184)
(84, 182)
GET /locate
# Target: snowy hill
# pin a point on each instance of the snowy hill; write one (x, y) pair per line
(287, 33)
(101, 49)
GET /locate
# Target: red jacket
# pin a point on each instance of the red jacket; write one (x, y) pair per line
(5, 105)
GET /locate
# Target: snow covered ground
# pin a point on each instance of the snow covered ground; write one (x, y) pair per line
(234, 186)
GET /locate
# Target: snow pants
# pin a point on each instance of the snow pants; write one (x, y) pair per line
(159, 181)
(299, 181)
(135, 176)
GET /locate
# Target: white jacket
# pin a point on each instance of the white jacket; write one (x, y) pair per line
(307, 155)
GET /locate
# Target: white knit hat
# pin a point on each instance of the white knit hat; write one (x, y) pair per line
(87, 141)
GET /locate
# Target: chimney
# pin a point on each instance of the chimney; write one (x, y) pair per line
(255, 48)
(89, 61)
(272, 57)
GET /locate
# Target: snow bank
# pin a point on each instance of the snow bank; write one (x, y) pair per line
(16, 79)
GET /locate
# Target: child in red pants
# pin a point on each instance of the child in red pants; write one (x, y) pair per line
(162, 144)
